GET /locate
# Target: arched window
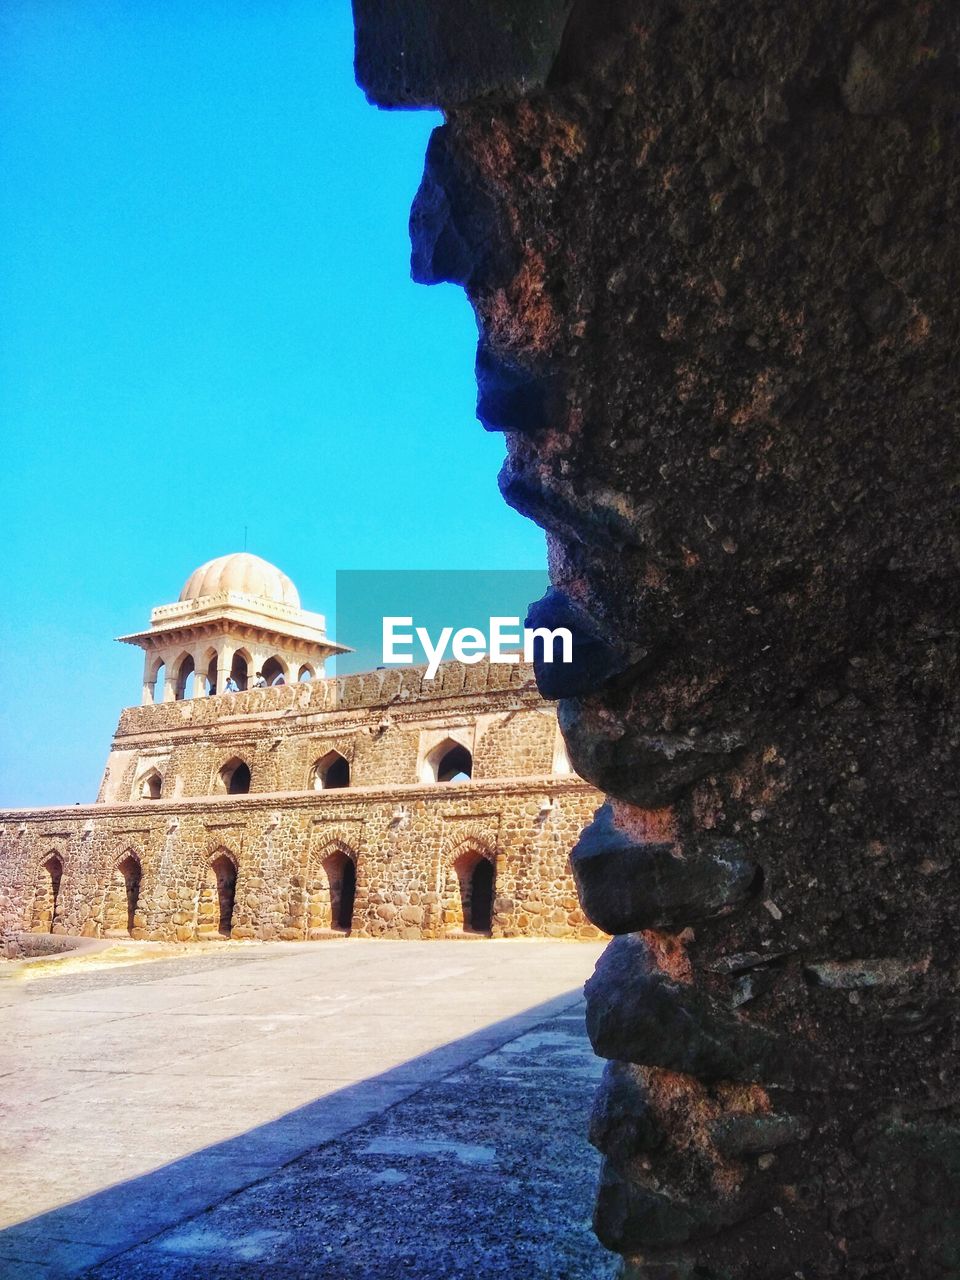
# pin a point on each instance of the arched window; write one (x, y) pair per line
(185, 679)
(44, 914)
(158, 680)
(123, 894)
(275, 671)
(235, 777)
(217, 895)
(306, 672)
(449, 761)
(151, 785)
(240, 668)
(476, 877)
(330, 772)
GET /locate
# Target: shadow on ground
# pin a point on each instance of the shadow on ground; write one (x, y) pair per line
(468, 1161)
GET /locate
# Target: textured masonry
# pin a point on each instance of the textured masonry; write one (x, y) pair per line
(713, 253)
(386, 854)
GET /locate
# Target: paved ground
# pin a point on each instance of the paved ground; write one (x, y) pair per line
(342, 1110)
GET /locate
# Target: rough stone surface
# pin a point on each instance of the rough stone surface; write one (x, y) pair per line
(639, 1013)
(626, 883)
(736, 237)
(411, 54)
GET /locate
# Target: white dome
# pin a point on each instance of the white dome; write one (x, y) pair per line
(244, 573)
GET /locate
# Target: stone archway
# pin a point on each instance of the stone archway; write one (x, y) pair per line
(44, 913)
(330, 891)
(122, 897)
(218, 892)
(468, 888)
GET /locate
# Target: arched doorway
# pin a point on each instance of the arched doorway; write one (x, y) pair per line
(217, 894)
(240, 668)
(123, 894)
(151, 785)
(157, 682)
(274, 671)
(331, 892)
(470, 895)
(45, 899)
(330, 772)
(185, 678)
(235, 777)
(481, 898)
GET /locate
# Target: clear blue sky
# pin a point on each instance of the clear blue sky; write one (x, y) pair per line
(206, 322)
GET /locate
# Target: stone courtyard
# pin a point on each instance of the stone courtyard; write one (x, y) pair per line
(351, 1109)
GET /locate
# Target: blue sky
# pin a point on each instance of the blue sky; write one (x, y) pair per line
(206, 323)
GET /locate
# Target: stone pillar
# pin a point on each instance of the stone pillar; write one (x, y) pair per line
(714, 255)
(147, 696)
(224, 666)
(199, 675)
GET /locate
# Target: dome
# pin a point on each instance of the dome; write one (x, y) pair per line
(241, 572)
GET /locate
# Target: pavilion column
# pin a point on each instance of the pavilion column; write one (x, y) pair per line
(224, 667)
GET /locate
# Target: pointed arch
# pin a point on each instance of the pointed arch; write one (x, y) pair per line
(330, 772)
(275, 671)
(150, 785)
(122, 896)
(185, 670)
(240, 665)
(44, 917)
(306, 672)
(475, 874)
(330, 889)
(217, 897)
(156, 678)
(448, 761)
(210, 663)
(468, 885)
(233, 778)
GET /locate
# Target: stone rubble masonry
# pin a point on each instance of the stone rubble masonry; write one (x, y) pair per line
(413, 844)
(714, 256)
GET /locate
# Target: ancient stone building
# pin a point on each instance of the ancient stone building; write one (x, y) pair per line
(382, 804)
(713, 250)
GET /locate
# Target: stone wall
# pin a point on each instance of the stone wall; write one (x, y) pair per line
(381, 722)
(386, 855)
(713, 253)
(288, 855)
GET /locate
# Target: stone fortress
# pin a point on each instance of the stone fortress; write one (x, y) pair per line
(379, 804)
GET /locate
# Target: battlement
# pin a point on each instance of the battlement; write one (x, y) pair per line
(383, 688)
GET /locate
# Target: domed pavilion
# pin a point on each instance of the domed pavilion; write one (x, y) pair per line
(236, 615)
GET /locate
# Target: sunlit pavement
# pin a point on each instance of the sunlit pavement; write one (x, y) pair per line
(341, 1109)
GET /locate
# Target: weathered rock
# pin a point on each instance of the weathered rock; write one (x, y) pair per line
(414, 53)
(629, 1217)
(637, 1013)
(854, 975)
(594, 660)
(510, 396)
(739, 257)
(622, 1122)
(625, 885)
(451, 221)
(753, 1135)
(647, 769)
